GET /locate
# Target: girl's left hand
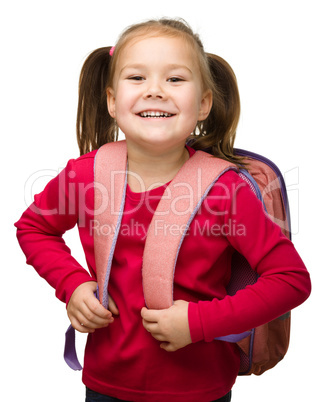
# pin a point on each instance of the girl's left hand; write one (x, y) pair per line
(170, 326)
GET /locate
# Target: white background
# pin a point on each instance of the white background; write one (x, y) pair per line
(275, 49)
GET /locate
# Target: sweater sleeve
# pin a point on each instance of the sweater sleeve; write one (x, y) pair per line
(41, 227)
(283, 283)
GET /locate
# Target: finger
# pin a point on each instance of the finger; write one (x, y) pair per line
(92, 325)
(91, 320)
(112, 306)
(153, 327)
(154, 330)
(80, 327)
(150, 315)
(85, 330)
(95, 307)
(168, 347)
(159, 337)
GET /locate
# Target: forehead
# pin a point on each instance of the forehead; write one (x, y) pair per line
(158, 50)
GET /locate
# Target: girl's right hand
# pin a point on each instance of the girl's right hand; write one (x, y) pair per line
(86, 313)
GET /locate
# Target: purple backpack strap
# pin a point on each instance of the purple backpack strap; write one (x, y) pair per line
(70, 354)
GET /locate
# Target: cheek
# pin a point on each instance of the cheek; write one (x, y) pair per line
(191, 106)
(125, 100)
(191, 99)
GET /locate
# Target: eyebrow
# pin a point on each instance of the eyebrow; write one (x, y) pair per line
(169, 66)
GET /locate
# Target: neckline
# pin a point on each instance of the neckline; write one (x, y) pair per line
(157, 191)
(154, 192)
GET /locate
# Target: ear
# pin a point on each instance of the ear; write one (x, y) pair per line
(205, 105)
(111, 101)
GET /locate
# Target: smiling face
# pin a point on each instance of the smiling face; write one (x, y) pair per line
(157, 96)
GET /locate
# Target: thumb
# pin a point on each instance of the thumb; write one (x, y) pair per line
(92, 286)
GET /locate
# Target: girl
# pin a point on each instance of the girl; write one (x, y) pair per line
(158, 86)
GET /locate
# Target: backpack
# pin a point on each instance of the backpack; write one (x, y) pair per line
(260, 348)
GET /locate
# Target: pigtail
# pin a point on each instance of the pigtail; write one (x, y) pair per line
(94, 126)
(218, 131)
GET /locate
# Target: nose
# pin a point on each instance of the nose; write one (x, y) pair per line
(154, 90)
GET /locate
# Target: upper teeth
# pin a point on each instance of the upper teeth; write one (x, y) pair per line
(155, 114)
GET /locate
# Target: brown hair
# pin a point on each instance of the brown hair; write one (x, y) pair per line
(96, 127)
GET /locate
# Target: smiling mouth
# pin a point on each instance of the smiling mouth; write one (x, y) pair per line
(155, 115)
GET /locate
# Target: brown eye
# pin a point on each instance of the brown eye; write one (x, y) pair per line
(136, 78)
(174, 79)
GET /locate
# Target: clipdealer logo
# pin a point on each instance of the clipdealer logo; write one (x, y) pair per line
(73, 197)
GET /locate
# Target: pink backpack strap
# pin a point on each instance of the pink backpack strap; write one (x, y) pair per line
(110, 171)
(170, 222)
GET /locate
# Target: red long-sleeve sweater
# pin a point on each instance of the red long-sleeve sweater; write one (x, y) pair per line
(123, 360)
